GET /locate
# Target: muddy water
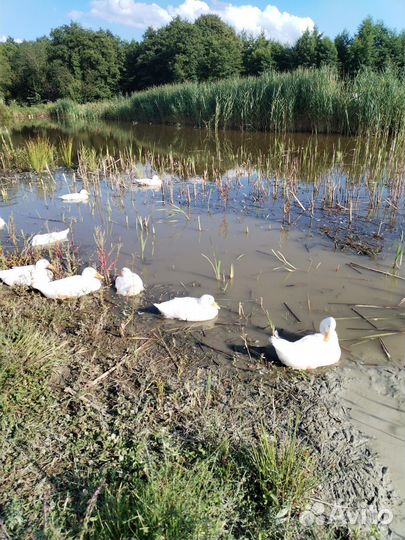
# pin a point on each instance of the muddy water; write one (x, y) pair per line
(284, 270)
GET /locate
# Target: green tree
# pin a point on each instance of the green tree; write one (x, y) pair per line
(88, 65)
(5, 74)
(170, 54)
(326, 53)
(29, 70)
(257, 55)
(128, 80)
(314, 50)
(343, 43)
(376, 47)
(222, 49)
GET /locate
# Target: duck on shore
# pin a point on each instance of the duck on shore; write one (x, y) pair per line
(25, 275)
(128, 283)
(70, 287)
(310, 352)
(190, 309)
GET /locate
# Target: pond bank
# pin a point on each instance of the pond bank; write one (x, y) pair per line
(121, 380)
(304, 100)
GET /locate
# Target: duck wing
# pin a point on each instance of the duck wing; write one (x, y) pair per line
(178, 308)
(301, 354)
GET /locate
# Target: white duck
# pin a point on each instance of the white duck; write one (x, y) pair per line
(155, 181)
(190, 309)
(128, 283)
(311, 351)
(2, 223)
(25, 275)
(82, 196)
(49, 238)
(70, 287)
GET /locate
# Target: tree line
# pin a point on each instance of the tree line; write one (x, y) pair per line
(86, 65)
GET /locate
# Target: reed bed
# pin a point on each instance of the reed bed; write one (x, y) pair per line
(315, 101)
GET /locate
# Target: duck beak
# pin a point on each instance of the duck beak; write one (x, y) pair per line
(99, 276)
(216, 305)
(51, 267)
(326, 335)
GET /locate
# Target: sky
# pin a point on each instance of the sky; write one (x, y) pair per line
(283, 20)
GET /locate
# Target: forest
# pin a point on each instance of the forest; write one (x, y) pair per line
(86, 65)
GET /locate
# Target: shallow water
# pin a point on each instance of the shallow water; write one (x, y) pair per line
(292, 272)
(284, 267)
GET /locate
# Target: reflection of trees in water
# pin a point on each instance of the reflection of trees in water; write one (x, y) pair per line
(299, 157)
(41, 186)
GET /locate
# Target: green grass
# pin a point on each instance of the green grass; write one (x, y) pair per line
(40, 152)
(66, 152)
(170, 498)
(284, 471)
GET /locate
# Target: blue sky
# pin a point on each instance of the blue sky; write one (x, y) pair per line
(281, 19)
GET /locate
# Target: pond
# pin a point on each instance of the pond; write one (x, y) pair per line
(280, 229)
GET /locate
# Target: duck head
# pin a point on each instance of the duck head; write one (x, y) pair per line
(91, 272)
(126, 272)
(43, 264)
(327, 328)
(208, 300)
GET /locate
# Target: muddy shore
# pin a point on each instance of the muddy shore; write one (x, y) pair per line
(103, 387)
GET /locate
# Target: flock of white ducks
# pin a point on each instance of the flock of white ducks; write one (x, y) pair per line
(309, 352)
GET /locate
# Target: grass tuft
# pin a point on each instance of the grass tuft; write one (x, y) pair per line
(170, 499)
(40, 153)
(283, 471)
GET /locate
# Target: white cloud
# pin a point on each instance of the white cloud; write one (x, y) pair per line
(129, 13)
(278, 25)
(3, 39)
(75, 15)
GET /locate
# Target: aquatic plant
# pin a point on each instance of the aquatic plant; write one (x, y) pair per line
(40, 153)
(215, 265)
(66, 152)
(315, 100)
(142, 228)
(87, 160)
(11, 156)
(63, 108)
(399, 253)
(106, 261)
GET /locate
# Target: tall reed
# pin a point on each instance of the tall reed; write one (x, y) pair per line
(314, 100)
